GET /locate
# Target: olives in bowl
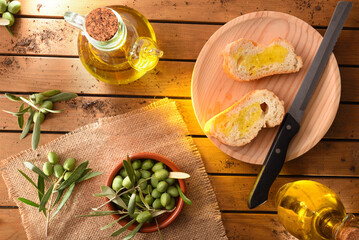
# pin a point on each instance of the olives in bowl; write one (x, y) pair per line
(149, 192)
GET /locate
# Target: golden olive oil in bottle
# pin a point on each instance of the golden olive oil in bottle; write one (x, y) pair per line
(127, 56)
(310, 210)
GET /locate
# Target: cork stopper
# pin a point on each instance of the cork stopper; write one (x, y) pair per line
(101, 24)
(349, 233)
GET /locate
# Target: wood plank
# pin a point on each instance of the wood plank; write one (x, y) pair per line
(327, 158)
(167, 79)
(254, 226)
(11, 226)
(55, 37)
(84, 110)
(238, 226)
(232, 191)
(318, 13)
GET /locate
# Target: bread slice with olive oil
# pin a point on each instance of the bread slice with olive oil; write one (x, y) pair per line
(246, 60)
(241, 122)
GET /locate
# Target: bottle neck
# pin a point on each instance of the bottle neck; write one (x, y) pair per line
(347, 229)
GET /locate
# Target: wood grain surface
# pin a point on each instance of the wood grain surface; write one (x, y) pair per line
(43, 56)
(213, 90)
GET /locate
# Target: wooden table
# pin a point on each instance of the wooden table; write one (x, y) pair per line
(43, 55)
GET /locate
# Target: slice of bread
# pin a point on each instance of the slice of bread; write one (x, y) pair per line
(241, 122)
(246, 60)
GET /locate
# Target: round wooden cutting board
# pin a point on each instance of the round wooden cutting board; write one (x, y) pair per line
(213, 91)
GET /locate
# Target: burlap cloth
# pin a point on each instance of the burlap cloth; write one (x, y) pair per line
(156, 128)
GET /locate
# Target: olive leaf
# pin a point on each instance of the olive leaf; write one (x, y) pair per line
(50, 93)
(45, 198)
(129, 170)
(133, 232)
(35, 169)
(112, 223)
(27, 127)
(19, 113)
(50, 110)
(64, 199)
(64, 96)
(36, 133)
(99, 213)
(111, 195)
(184, 198)
(30, 103)
(143, 199)
(40, 187)
(132, 204)
(178, 175)
(20, 119)
(121, 230)
(158, 229)
(8, 29)
(58, 197)
(89, 175)
(160, 212)
(12, 97)
(27, 178)
(28, 202)
(76, 174)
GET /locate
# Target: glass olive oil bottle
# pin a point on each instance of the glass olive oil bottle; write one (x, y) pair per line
(310, 210)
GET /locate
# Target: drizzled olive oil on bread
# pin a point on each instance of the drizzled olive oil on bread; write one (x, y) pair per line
(241, 122)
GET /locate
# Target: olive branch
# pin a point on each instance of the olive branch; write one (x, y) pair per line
(40, 104)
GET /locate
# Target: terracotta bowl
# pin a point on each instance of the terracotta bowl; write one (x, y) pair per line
(163, 220)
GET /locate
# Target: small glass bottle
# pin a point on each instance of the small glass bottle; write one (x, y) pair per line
(311, 211)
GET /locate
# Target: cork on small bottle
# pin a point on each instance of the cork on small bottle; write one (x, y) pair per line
(101, 24)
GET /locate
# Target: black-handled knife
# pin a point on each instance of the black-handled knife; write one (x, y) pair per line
(291, 123)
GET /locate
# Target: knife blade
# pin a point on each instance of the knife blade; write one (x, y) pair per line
(290, 125)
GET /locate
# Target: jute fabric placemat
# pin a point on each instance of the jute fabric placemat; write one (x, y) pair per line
(157, 128)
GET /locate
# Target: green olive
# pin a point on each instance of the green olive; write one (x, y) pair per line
(170, 181)
(48, 105)
(149, 199)
(154, 182)
(42, 116)
(157, 204)
(3, 6)
(47, 168)
(143, 217)
(52, 157)
(162, 186)
(161, 174)
(171, 205)
(136, 164)
(165, 199)
(127, 183)
(67, 175)
(138, 198)
(123, 173)
(37, 98)
(145, 174)
(158, 166)
(58, 170)
(171, 190)
(117, 183)
(147, 164)
(143, 185)
(137, 174)
(10, 17)
(69, 164)
(14, 7)
(155, 193)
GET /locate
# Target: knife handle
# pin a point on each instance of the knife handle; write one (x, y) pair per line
(274, 161)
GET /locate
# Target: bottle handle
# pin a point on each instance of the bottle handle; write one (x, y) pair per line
(75, 19)
(142, 51)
